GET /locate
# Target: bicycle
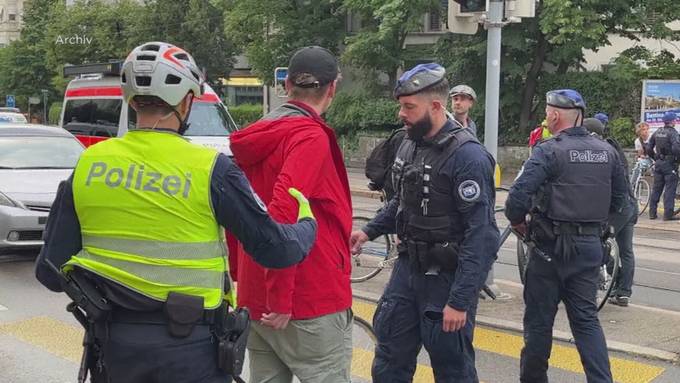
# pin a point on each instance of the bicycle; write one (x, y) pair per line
(641, 188)
(375, 255)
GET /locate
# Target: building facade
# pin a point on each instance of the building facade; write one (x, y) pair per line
(10, 20)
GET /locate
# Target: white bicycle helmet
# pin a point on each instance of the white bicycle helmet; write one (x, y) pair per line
(162, 70)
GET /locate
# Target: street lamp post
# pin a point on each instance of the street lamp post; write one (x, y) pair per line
(44, 93)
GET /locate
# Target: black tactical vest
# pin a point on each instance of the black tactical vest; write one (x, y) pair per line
(663, 144)
(426, 205)
(580, 191)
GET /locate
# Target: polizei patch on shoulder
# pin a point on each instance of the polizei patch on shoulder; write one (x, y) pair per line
(469, 191)
(589, 156)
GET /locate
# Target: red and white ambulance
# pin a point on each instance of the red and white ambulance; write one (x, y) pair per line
(94, 109)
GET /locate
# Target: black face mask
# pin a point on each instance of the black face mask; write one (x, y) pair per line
(420, 128)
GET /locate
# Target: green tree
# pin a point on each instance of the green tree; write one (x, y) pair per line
(23, 70)
(269, 31)
(379, 45)
(544, 49)
(195, 25)
(105, 32)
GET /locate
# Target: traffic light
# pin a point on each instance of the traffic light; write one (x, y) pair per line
(471, 6)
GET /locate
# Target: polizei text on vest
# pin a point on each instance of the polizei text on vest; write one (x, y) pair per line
(138, 178)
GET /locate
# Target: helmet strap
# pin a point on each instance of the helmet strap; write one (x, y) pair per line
(183, 124)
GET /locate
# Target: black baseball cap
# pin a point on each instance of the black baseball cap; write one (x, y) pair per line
(312, 67)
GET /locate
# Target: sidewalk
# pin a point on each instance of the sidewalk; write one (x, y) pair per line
(636, 330)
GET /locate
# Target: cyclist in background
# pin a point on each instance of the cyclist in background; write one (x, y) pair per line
(643, 161)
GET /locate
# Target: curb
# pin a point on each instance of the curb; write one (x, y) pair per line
(501, 324)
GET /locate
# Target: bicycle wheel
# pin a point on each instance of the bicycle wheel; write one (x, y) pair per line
(608, 273)
(642, 193)
(363, 348)
(369, 262)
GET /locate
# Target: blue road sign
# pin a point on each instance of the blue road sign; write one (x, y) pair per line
(280, 74)
(10, 102)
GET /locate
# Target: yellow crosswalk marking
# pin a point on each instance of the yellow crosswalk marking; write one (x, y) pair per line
(54, 336)
(562, 357)
(64, 340)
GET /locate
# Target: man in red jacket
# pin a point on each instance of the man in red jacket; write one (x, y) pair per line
(301, 315)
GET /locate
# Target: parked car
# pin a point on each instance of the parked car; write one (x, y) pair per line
(94, 109)
(9, 109)
(12, 117)
(34, 159)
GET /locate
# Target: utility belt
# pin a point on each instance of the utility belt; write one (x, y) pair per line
(668, 157)
(181, 313)
(545, 231)
(542, 229)
(431, 257)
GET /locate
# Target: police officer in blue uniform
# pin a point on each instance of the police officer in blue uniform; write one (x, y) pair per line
(666, 141)
(443, 215)
(570, 184)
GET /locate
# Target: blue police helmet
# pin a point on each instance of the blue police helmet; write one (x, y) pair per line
(419, 78)
(669, 117)
(565, 99)
(602, 117)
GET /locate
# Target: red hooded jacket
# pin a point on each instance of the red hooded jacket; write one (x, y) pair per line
(293, 147)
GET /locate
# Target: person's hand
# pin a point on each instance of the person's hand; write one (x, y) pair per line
(453, 319)
(304, 211)
(521, 228)
(275, 320)
(356, 239)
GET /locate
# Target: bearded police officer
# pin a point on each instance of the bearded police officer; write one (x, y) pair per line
(137, 227)
(664, 147)
(443, 215)
(570, 184)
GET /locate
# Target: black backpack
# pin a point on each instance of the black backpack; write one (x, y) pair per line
(379, 162)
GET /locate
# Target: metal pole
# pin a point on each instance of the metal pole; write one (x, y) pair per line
(494, 24)
(44, 92)
(493, 75)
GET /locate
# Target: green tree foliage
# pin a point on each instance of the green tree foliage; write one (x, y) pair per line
(195, 25)
(379, 45)
(91, 31)
(269, 31)
(108, 31)
(245, 114)
(353, 112)
(546, 49)
(23, 70)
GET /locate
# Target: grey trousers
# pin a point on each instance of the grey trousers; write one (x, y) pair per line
(317, 350)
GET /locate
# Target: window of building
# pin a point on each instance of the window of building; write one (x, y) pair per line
(437, 17)
(12, 17)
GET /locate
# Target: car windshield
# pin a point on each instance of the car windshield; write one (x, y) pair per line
(12, 118)
(209, 119)
(39, 152)
(93, 117)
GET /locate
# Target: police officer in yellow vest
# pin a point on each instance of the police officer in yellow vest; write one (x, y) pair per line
(141, 220)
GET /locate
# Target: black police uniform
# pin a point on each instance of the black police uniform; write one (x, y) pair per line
(443, 214)
(571, 182)
(667, 155)
(136, 345)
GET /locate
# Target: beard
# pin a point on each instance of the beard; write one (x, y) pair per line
(419, 129)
